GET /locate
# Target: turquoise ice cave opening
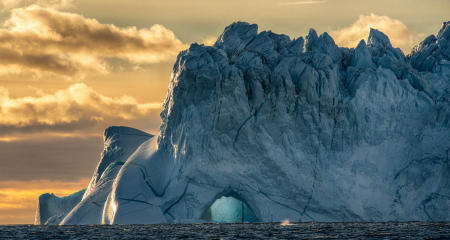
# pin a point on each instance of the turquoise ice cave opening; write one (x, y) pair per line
(228, 209)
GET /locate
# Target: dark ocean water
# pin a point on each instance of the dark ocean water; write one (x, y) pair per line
(385, 230)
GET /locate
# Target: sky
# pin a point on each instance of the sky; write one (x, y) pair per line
(71, 68)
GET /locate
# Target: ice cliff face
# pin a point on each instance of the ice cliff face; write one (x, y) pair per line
(120, 143)
(294, 129)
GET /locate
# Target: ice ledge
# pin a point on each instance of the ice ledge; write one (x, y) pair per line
(122, 130)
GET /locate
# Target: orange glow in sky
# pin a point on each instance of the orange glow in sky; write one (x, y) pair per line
(18, 199)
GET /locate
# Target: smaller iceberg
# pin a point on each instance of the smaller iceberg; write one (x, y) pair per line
(52, 209)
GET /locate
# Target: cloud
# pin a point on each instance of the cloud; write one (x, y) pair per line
(56, 4)
(304, 2)
(77, 104)
(209, 40)
(44, 39)
(397, 31)
(56, 63)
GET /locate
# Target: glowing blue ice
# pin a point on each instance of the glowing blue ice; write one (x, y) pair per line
(231, 210)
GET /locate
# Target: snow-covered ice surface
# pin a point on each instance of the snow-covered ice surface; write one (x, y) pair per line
(296, 129)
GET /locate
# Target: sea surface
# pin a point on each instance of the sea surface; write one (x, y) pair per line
(384, 230)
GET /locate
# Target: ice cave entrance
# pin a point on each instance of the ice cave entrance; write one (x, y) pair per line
(229, 210)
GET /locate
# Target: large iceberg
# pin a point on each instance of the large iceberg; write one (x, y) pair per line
(282, 128)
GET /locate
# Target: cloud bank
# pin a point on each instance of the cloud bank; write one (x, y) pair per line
(75, 104)
(397, 31)
(45, 39)
(56, 4)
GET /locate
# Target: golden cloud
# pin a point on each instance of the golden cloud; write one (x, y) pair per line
(46, 39)
(56, 4)
(397, 31)
(209, 40)
(76, 104)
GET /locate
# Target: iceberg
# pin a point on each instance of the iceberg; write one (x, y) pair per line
(273, 128)
(52, 209)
